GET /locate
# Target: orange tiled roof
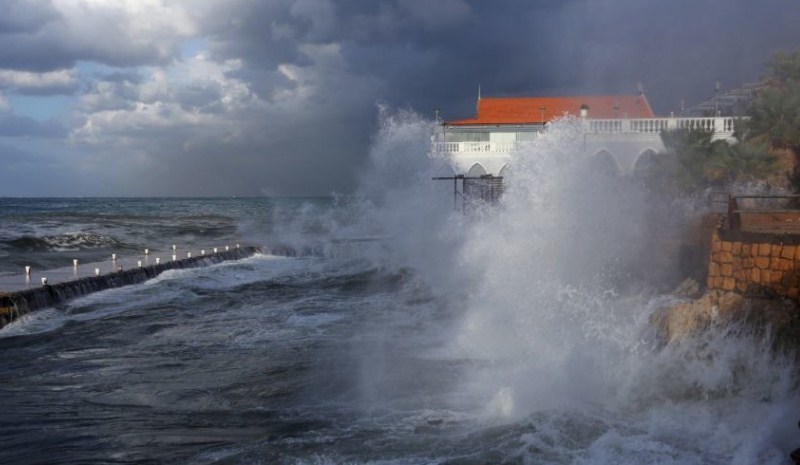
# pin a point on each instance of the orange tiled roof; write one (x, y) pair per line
(528, 110)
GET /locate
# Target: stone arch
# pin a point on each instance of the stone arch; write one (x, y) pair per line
(446, 171)
(605, 163)
(644, 162)
(505, 170)
(476, 170)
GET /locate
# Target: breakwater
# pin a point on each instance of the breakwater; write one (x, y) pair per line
(750, 263)
(14, 304)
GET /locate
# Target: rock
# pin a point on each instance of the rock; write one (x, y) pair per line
(688, 288)
(775, 316)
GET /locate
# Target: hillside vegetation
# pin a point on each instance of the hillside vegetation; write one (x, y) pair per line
(766, 145)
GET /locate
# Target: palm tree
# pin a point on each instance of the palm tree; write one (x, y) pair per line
(775, 116)
(783, 68)
(751, 160)
(699, 162)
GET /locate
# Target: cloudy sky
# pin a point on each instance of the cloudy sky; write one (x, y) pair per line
(279, 97)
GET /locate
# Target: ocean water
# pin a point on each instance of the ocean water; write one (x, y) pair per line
(386, 328)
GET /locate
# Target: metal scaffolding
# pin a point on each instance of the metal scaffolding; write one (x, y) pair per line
(486, 189)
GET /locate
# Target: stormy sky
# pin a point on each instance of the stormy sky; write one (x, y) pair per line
(279, 97)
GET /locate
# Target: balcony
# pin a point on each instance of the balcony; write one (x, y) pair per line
(720, 125)
(620, 129)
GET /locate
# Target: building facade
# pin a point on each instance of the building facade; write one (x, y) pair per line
(620, 131)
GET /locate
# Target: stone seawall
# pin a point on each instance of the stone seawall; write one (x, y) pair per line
(17, 303)
(754, 263)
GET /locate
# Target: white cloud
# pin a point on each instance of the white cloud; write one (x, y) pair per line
(111, 32)
(191, 99)
(5, 106)
(198, 98)
(60, 80)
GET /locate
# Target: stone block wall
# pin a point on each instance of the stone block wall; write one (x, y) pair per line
(755, 263)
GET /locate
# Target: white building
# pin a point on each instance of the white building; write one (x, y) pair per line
(621, 131)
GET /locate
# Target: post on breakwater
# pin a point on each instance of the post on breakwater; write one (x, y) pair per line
(16, 303)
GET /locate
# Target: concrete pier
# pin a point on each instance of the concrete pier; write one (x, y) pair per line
(23, 293)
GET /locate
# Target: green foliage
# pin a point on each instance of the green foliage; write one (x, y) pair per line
(775, 115)
(751, 160)
(784, 67)
(694, 161)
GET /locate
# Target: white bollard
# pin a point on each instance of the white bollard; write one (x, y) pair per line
(74, 262)
(114, 257)
(97, 271)
(188, 255)
(174, 247)
(174, 257)
(139, 263)
(158, 260)
(27, 270)
(237, 246)
(215, 250)
(227, 248)
(44, 281)
(147, 251)
(203, 252)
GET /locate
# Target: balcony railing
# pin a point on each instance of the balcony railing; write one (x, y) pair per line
(474, 147)
(722, 127)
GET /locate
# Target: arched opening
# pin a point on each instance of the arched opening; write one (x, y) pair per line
(645, 164)
(445, 171)
(505, 171)
(476, 170)
(604, 163)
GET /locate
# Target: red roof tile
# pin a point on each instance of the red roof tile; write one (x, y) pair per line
(528, 110)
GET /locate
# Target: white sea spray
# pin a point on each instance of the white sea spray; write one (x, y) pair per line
(552, 318)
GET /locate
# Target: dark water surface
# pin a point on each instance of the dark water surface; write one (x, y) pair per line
(340, 353)
(48, 233)
(261, 360)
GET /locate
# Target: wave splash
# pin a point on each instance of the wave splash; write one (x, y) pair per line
(553, 290)
(61, 242)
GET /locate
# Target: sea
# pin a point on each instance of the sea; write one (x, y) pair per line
(398, 324)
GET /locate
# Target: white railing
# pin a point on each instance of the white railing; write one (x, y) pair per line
(721, 125)
(474, 147)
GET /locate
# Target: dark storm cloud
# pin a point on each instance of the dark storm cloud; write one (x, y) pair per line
(22, 126)
(427, 54)
(26, 16)
(678, 49)
(283, 99)
(46, 35)
(434, 54)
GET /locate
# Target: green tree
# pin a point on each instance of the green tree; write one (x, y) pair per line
(693, 160)
(783, 68)
(750, 158)
(697, 160)
(775, 114)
